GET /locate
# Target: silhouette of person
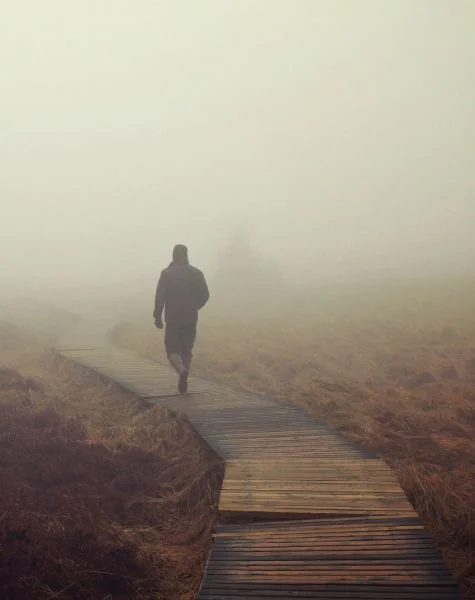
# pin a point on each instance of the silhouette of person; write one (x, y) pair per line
(181, 292)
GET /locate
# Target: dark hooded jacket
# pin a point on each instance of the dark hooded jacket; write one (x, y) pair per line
(182, 291)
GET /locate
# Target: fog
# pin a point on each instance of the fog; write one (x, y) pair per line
(339, 136)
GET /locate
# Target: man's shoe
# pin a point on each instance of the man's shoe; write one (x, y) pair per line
(183, 383)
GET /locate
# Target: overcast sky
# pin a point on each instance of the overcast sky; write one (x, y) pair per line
(340, 133)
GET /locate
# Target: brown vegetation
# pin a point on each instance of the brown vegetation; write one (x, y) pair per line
(399, 378)
(101, 495)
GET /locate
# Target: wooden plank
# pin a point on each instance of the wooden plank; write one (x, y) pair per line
(263, 561)
(282, 464)
(310, 487)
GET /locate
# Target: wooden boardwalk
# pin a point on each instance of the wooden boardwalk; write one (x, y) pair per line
(304, 513)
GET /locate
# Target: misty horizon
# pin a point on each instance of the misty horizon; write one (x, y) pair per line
(339, 137)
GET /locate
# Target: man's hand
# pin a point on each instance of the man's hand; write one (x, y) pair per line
(159, 323)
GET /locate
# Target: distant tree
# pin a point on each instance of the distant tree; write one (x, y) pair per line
(242, 276)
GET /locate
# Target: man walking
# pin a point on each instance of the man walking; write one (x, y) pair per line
(182, 291)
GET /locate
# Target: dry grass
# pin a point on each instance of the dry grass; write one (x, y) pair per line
(398, 378)
(101, 495)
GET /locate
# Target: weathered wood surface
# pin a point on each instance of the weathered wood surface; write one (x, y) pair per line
(365, 557)
(304, 512)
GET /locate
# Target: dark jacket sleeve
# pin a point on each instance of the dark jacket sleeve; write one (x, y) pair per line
(160, 296)
(203, 291)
